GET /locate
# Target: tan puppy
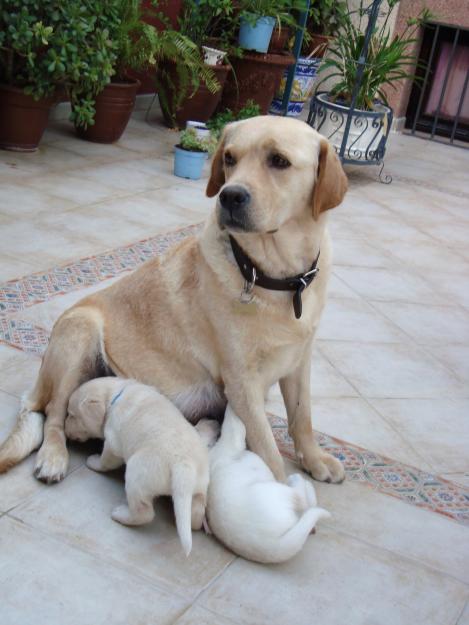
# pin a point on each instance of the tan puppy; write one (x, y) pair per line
(177, 323)
(164, 454)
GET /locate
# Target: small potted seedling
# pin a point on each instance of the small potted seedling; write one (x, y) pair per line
(191, 153)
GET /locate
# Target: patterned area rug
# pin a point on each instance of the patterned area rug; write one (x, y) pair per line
(383, 474)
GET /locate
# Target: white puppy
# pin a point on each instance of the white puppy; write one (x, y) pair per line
(164, 453)
(247, 510)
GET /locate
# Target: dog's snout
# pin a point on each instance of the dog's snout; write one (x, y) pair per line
(235, 198)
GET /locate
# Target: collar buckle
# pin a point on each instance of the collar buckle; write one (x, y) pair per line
(247, 294)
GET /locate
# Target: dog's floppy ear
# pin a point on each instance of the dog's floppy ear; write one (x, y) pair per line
(331, 181)
(217, 173)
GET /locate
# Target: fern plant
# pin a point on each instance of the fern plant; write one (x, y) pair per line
(388, 59)
(138, 46)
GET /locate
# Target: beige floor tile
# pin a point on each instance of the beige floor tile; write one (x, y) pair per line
(426, 257)
(359, 253)
(389, 523)
(454, 288)
(337, 579)
(44, 244)
(426, 324)
(75, 188)
(464, 618)
(355, 320)
(326, 380)
(353, 420)
(337, 288)
(11, 267)
(388, 285)
(392, 370)
(196, 615)
(419, 419)
(79, 512)
(45, 581)
(19, 370)
(23, 202)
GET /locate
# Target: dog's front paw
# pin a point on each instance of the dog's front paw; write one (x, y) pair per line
(51, 463)
(323, 467)
(94, 462)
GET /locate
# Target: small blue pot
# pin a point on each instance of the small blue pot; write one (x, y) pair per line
(188, 164)
(256, 37)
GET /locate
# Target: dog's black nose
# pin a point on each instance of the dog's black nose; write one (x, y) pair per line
(235, 198)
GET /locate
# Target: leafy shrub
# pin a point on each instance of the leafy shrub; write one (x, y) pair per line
(219, 121)
(189, 140)
(47, 43)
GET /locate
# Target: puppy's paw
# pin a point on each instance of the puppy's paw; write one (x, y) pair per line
(94, 462)
(323, 467)
(51, 463)
(121, 514)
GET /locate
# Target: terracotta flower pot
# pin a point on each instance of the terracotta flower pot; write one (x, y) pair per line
(201, 106)
(254, 77)
(318, 45)
(22, 119)
(279, 40)
(114, 106)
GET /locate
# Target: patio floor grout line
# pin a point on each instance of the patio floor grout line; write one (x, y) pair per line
(400, 554)
(129, 569)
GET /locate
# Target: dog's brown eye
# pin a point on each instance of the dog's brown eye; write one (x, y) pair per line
(230, 160)
(278, 161)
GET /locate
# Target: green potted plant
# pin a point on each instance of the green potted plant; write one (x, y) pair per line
(219, 121)
(388, 60)
(43, 44)
(191, 153)
(258, 19)
(191, 97)
(139, 45)
(255, 75)
(325, 20)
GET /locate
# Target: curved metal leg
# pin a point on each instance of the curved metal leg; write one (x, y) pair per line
(387, 178)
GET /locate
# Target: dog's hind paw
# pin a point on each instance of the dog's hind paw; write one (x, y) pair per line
(51, 464)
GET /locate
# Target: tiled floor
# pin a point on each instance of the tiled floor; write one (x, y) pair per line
(390, 380)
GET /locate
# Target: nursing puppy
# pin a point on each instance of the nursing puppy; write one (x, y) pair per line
(247, 510)
(164, 454)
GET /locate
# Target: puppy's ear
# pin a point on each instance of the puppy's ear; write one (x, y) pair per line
(331, 181)
(217, 173)
(92, 411)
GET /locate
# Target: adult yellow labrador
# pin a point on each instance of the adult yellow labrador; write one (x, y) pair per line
(223, 315)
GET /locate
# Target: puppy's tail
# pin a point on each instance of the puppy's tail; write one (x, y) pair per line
(293, 540)
(25, 437)
(183, 483)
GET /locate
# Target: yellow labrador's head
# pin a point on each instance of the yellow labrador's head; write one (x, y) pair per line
(86, 413)
(269, 170)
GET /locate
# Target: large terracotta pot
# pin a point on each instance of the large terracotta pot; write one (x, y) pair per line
(254, 77)
(279, 40)
(114, 106)
(22, 119)
(200, 106)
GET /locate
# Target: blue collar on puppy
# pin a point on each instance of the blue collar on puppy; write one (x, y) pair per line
(116, 397)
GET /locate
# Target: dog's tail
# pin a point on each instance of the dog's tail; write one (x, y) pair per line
(183, 484)
(293, 540)
(25, 437)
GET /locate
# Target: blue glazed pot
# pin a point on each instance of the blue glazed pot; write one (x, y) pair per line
(305, 76)
(256, 37)
(188, 164)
